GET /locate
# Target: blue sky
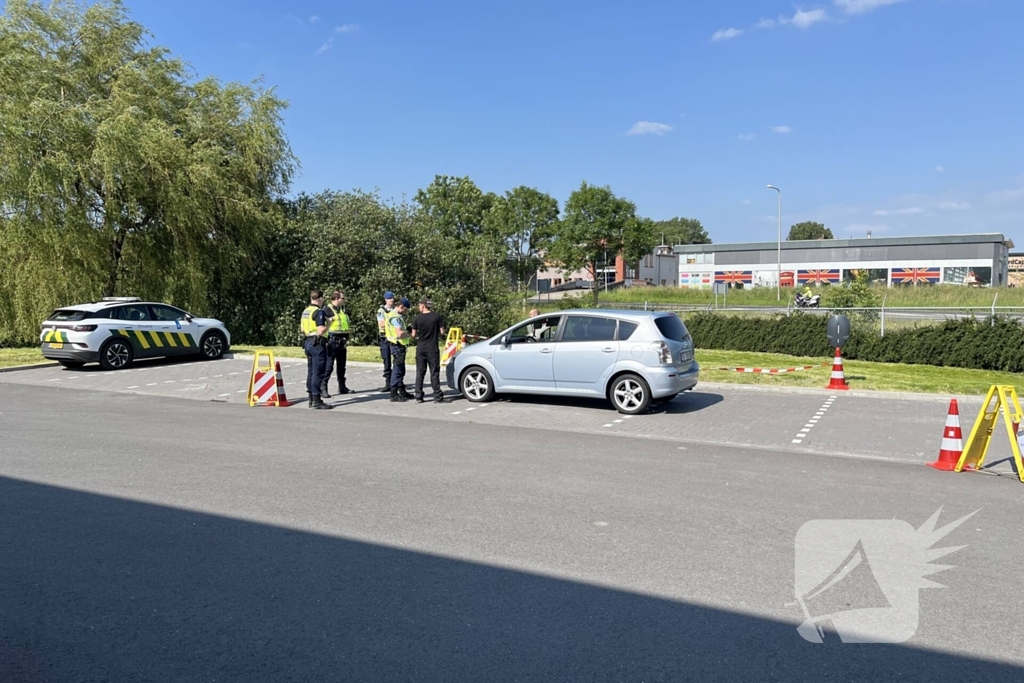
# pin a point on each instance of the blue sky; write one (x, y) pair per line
(898, 116)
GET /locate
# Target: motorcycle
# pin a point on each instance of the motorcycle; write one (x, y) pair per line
(808, 301)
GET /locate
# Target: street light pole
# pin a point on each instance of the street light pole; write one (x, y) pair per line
(778, 282)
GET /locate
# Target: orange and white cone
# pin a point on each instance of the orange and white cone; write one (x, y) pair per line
(952, 441)
(838, 381)
(282, 400)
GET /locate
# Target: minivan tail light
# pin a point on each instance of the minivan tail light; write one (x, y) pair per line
(664, 353)
(84, 328)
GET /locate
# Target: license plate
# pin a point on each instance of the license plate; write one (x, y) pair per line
(686, 357)
(57, 346)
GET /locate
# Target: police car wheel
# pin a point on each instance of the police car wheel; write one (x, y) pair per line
(476, 385)
(116, 354)
(212, 346)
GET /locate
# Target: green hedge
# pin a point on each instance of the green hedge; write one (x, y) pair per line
(981, 344)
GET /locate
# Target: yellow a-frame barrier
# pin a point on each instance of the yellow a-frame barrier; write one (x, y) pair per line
(259, 367)
(1000, 398)
(452, 345)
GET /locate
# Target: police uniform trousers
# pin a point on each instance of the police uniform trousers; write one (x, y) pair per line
(385, 355)
(316, 363)
(428, 357)
(397, 365)
(337, 355)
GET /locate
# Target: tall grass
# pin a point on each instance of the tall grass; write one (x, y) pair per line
(920, 296)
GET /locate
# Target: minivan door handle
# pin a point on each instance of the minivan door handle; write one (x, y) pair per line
(545, 350)
(608, 350)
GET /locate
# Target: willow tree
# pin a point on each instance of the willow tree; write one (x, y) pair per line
(121, 171)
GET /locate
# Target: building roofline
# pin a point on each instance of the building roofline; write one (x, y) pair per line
(860, 242)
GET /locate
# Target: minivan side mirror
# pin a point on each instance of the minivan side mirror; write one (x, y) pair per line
(504, 341)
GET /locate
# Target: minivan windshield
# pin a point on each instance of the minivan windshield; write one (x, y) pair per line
(671, 327)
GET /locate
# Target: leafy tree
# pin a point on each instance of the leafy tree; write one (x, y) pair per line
(456, 206)
(681, 231)
(524, 221)
(120, 172)
(597, 224)
(809, 230)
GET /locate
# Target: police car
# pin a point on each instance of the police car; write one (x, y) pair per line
(115, 331)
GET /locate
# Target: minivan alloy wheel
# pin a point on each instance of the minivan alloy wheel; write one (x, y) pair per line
(475, 385)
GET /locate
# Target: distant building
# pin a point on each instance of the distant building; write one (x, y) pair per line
(975, 260)
(1015, 270)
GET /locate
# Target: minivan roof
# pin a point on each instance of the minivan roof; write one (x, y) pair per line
(618, 313)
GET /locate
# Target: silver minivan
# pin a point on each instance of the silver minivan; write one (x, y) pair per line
(632, 358)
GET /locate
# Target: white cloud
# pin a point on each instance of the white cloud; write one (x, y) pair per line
(954, 206)
(745, 202)
(863, 6)
(940, 169)
(313, 19)
(782, 129)
(325, 47)
(766, 23)
(726, 34)
(1006, 196)
(649, 128)
(294, 18)
(912, 211)
(807, 19)
(746, 137)
(346, 28)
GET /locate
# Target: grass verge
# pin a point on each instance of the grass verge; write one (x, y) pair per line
(859, 374)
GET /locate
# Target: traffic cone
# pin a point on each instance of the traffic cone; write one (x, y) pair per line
(838, 381)
(281, 398)
(952, 441)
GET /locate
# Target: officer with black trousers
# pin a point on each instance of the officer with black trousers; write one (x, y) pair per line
(427, 330)
(337, 344)
(314, 342)
(385, 345)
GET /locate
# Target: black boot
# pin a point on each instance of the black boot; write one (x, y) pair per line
(310, 400)
(419, 399)
(318, 404)
(342, 390)
(323, 391)
(396, 397)
(403, 392)
(386, 388)
(439, 398)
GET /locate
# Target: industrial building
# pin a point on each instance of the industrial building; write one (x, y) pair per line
(980, 260)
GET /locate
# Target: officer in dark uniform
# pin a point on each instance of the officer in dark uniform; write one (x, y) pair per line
(338, 330)
(314, 324)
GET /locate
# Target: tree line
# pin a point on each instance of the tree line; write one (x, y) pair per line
(122, 173)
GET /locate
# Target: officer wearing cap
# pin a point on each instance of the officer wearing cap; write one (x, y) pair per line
(398, 339)
(385, 345)
(337, 343)
(314, 342)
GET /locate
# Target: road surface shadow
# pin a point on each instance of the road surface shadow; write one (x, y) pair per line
(102, 589)
(688, 402)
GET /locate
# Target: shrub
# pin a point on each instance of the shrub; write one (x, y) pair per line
(989, 344)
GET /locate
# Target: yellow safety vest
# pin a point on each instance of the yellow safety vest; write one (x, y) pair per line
(307, 323)
(391, 332)
(339, 323)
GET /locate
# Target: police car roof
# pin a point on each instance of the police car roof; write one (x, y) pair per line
(94, 306)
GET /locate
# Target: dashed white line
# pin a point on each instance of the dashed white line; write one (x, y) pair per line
(805, 432)
(169, 381)
(135, 387)
(223, 395)
(55, 379)
(203, 378)
(607, 425)
(153, 384)
(457, 412)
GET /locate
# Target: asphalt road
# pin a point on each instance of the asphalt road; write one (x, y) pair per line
(149, 538)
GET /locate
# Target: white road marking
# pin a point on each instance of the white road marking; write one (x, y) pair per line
(135, 387)
(241, 391)
(223, 395)
(457, 412)
(153, 384)
(616, 421)
(607, 425)
(202, 378)
(55, 379)
(797, 441)
(805, 432)
(169, 381)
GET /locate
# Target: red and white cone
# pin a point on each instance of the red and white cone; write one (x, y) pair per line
(838, 381)
(281, 398)
(952, 441)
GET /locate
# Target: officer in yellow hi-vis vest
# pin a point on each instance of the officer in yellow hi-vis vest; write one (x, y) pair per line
(398, 337)
(337, 343)
(314, 342)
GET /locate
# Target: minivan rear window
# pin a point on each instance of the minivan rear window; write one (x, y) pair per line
(671, 327)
